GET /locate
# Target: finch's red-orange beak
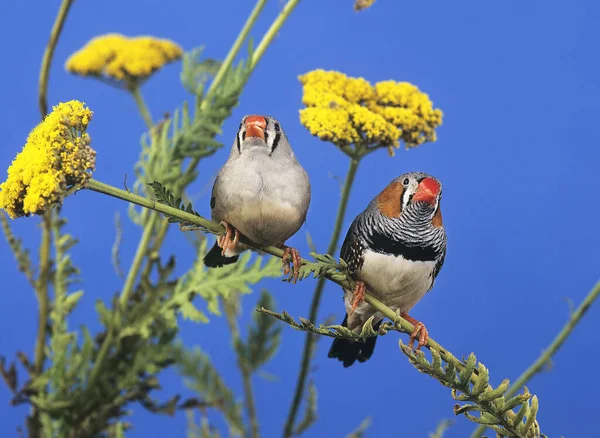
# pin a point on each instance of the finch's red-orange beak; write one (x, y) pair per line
(255, 126)
(427, 191)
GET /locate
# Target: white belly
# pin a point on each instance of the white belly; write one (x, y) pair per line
(395, 281)
(265, 222)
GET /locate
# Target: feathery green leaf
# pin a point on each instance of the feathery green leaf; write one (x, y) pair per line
(202, 377)
(263, 337)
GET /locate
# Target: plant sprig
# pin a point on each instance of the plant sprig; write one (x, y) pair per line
(333, 331)
(487, 405)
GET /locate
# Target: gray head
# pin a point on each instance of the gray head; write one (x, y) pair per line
(414, 194)
(261, 135)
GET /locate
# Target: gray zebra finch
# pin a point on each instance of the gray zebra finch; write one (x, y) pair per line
(262, 192)
(394, 250)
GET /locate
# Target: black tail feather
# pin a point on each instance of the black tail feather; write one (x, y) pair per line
(214, 259)
(348, 351)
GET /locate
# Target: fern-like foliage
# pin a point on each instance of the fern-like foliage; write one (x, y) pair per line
(213, 284)
(202, 377)
(196, 72)
(67, 358)
(333, 331)
(16, 245)
(481, 403)
(264, 337)
(165, 196)
(91, 380)
(323, 266)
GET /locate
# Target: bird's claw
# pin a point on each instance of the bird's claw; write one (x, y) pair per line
(291, 255)
(358, 296)
(226, 242)
(420, 330)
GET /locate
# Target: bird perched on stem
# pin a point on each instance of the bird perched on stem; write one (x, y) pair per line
(262, 192)
(394, 250)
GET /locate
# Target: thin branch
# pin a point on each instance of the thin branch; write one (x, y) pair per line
(537, 366)
(235, 48)
(48, 55)
(272, 32)
(21, 254)
(138, 259)
(141, 104)
(316, 301)
(231, 314)
(42, 292)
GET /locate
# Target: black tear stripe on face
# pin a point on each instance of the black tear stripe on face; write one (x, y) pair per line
(403, 197)
(275, 142)
(239, 145)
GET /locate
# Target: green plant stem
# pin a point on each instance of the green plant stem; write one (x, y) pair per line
(141, 250)
(316, 301)
(231, 314)
(59, 21)
(141, 104)
(271, 33)
(138, 259)
(539, 364)
(235, 48)
(115, 192)
(42, 292)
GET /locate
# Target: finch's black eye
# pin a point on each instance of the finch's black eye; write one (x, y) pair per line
(405, 182)
(277, 127)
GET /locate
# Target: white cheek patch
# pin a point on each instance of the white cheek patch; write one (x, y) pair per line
(239, 140)
(408, 192)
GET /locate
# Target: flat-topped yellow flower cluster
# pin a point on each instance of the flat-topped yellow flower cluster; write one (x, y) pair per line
(124, 59)
(347, 110)
(56, 156)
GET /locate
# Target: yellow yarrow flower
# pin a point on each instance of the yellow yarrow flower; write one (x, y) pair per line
(121, 58)
(347, 110)
(330, 124)
(56, 156)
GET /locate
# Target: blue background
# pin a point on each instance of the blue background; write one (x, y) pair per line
(517, 154)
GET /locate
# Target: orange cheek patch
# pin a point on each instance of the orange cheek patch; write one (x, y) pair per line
(389, 201)
(437, 219)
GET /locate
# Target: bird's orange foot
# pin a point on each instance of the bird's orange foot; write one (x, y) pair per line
(226, 242)
(291, 255)
(358, 295)
(420, 330)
